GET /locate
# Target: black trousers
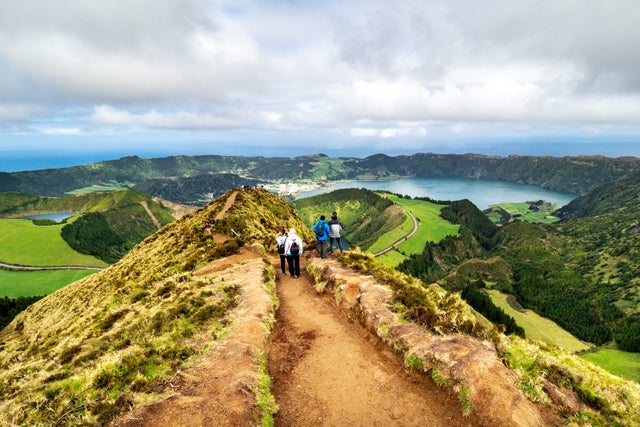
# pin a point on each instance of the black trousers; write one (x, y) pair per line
(283, 263)
(294, 264)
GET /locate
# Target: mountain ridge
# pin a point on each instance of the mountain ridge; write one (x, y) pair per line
(117, 339)
(576, 174)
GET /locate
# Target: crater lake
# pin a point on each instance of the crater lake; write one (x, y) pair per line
(482, 193)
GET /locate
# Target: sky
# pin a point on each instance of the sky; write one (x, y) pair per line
(83, 78)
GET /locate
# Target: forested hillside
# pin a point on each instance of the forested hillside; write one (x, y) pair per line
(581, 273)
(568, 174)
(105, 225)
(129, 336)
(365, 216)
(197, 190)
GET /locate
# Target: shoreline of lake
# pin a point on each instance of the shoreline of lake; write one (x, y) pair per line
(481, 192)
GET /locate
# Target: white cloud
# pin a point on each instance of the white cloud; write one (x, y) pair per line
(366, 68)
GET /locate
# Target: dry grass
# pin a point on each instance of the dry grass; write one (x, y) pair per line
(118, 337)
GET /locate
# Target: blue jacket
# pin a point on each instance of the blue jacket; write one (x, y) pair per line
(326, 231)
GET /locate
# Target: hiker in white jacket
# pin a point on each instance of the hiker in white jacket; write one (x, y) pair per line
(293, 249)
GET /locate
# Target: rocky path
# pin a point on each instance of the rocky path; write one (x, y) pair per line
(327, 371)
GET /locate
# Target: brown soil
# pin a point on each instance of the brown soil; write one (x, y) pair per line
(327, 371)
(219, 390)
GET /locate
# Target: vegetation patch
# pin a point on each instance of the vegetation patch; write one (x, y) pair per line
(431, 306)
(537, 211)
(622, 363)
(537, 327)
(611, 400)
(44, 282)
(24, 243)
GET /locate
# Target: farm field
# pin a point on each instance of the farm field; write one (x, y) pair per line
(537, 327)
(522, 212)
(618, 362)
(113, 186)
(431, 227)
(35, 283)
(23, 243)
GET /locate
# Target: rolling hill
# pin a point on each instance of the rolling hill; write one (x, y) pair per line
(119, 339)
(200, 175)
(581, 272)
(105, 225)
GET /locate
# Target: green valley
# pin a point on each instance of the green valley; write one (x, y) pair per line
(24, 243)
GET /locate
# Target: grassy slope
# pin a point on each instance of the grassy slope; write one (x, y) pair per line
(365, 215)
(537, 327)
(33, 283)
(621, 363)
(114, 336)
(522, 212)
(431, 227)
(22, 242)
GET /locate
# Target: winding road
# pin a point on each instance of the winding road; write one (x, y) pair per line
(15, 267)
(411, 233)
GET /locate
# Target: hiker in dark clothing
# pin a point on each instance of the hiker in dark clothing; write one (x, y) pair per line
(281, 238)
(335, 226)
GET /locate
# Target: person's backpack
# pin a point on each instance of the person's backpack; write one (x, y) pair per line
(319, 229)
(295, 248)
(281, 248)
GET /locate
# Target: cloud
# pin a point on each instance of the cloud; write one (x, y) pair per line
(364, 68)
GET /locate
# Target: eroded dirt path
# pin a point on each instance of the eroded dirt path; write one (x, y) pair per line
(328, 371)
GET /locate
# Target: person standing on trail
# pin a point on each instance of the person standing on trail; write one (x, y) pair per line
(335, 226)
(293, 250)
(322, 235)
(281, 239)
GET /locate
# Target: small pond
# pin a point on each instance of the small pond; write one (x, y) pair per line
(56, 216)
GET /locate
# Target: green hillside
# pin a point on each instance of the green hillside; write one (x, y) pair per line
(365, 215)
(24, 243)
(196, 174)
(431, 228)
(120, 338)
(117, 335)
(581, 273)
(620, 197)
(15, 284)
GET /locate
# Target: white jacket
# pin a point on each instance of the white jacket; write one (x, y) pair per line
(290, 239)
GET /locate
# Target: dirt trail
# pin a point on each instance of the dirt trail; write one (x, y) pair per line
(327, 371)
(155, 221)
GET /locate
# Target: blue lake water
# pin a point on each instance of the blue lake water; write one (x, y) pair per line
(480, 192)
(56, 216)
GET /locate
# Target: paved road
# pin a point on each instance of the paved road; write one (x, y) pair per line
(38, 268)
(411, 233)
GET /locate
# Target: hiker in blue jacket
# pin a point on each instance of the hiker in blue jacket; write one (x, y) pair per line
(322, 236)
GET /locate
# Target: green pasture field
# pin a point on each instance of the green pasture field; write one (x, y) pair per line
(621, 363)
(102, 188)
(431, 227)
(33, 283)
(388, 239)
(537, 327)
(392, 258)
(24, 243)
(521, 211)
